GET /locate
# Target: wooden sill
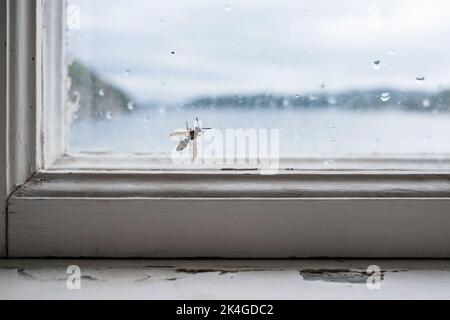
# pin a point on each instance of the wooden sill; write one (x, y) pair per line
(287, 185)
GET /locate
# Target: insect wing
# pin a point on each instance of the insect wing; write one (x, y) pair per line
(179, 134)
(194, 149)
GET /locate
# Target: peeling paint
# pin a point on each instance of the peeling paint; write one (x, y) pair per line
(337, 275)
(21, 272)
(143, 279)
(90, 278)
(291, 279)
(222, 271)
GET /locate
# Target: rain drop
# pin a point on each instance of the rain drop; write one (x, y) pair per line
(385, 96)
(228, 8)
(392, 52)
(332, 101)
(109, 115)
(376, 65)
(426, 103)
(130, 106)
(420, 80)
(127, 72)
(101, 92)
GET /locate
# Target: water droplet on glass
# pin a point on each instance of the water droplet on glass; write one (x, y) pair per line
(392, 52)
(228, 8)
(420, 80)
(313, 98)
(130, 106)
(109, 115)
(376, 65)
(332, 126)
(127, 72)
(426, 103)
(162, 110)
(332, 101)
(162, 23)
(385, 96)
(101, 92)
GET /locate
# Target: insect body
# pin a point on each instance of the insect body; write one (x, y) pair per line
(190, 138)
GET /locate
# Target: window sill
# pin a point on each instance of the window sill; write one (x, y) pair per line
(231, 215)
(239, 184)
(388, 163)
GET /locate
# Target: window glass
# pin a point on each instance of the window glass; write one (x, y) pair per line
(336, 79)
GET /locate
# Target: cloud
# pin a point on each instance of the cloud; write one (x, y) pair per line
(177, 49)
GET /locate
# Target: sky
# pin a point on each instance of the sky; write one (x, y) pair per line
(175, 50)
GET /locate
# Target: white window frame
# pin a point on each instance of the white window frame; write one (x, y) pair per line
(54, 211)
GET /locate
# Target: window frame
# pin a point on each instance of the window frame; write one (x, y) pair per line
(62, 212)
(3, 124)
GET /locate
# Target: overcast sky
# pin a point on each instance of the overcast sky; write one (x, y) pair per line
(177, 49)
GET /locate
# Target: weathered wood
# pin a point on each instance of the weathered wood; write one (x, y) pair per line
(229, 228)
(54, 127)
(235, 185)
(19, 98)
(23, 86)
(3, 124)
(205, 215)
(110, 214)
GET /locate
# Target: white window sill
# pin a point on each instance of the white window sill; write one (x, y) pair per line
(231, 215)
(225, 279)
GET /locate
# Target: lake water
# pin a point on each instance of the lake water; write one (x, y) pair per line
(320, 133)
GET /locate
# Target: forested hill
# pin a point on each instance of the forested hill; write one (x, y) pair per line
(97, 98)
(352, 100)
(100, 99)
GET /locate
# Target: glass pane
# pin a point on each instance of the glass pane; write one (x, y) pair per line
(337, 79)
